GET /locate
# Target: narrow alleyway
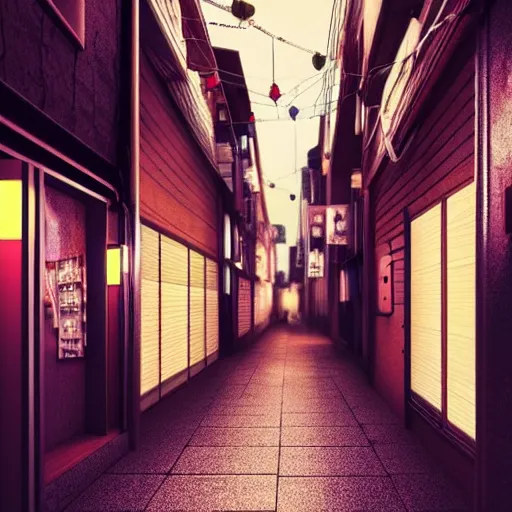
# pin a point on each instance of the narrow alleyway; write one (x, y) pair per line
(288, 424)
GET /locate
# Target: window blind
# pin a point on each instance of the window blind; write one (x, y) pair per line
(197, 308)
(212, 308)
(150, 316)
(244, 306)
(174, 323)
(461, 247)
(426, 350)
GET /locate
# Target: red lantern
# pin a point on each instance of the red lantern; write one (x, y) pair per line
(212, 81)
(274, 93)
(252, 118)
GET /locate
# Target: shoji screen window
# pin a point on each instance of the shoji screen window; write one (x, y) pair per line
(426, 306)
(197, 339)
(150, 310)
(174, 308)
(442, 301)
(460, 285)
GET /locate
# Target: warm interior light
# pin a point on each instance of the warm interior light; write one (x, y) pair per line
(10, 209)
(124, 259)
(356, 180)
(114, 266)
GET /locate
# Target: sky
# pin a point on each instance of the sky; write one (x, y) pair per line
(307, 25)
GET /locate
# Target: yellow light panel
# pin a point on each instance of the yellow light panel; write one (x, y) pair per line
(461, 273)
(114, 266)
(426, 306)
(10, 209)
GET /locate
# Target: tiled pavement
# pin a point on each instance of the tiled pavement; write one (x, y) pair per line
(288, 425)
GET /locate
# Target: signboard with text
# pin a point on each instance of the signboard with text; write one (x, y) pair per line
(316, 239)
(279, 234)
(337, 225)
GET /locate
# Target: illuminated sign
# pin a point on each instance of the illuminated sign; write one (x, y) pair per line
(316, 264)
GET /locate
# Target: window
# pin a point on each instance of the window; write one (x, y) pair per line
(227, 237)
(442, 298)
(71, 14)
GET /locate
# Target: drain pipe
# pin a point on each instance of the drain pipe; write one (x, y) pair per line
(134, 352)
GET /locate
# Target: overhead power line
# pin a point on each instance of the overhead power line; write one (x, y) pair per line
(261, 29)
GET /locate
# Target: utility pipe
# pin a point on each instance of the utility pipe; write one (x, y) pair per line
(134, 352)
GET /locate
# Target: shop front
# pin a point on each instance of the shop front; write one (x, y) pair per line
(62, 304)
(180, 314)
(181, 239)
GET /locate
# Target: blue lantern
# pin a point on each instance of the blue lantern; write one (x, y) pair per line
(294, 111)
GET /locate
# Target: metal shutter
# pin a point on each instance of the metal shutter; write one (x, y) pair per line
(197, 309)
(174, 289)
(150, 318)
(426, 306)
(244, 306)
(212, 308)
(461, 247)
(257, 303)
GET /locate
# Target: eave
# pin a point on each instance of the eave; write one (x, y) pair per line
(390, 27)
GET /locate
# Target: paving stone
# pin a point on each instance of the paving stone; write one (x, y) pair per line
(329, 461)
(315, 405)
(405, 458)
(318, 419)
(430, 492)
(389, 434)
(216, 493)
(227, 461)
(323, 436)
(341, 494)
(149, 459)
(218, 420)
(118, 493)
(213, 436)
(246, 410)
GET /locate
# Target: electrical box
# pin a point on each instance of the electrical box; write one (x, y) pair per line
(385, 290)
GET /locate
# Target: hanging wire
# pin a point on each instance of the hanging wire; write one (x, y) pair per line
(295, 146)
(261, 29)
(273, 63)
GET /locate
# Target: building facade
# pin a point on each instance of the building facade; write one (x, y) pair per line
(112, 233)
(422, 107)
(63, 307)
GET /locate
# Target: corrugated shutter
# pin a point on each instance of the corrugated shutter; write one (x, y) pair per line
(426, 306)
(461, 247)
(150, 317)
(197, 308)
(258, 305)
(174, 276)
(244, 306)
(212, 307)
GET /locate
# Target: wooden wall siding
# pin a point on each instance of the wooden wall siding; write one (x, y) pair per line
(440, 160)
(177, 192)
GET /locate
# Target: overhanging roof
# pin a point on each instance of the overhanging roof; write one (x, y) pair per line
(232, 77)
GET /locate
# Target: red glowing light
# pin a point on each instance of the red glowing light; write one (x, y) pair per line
(212, 81)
